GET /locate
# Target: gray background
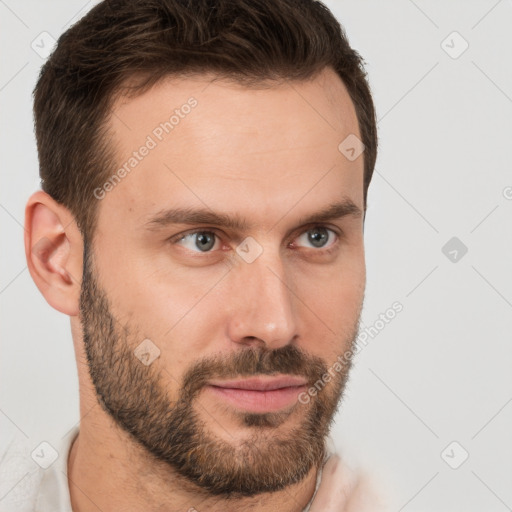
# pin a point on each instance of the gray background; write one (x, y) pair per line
(440, 371)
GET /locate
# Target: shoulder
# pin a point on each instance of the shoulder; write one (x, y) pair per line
(33, 475)
(346, 488)
(367, 494)
(20, 477)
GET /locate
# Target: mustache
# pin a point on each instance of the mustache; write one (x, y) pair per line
(250, 362)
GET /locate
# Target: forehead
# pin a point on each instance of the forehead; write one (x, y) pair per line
(203, 142)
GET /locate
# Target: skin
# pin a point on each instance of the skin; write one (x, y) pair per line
(270, 156)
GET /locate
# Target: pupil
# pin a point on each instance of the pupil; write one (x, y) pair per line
(318, 237)
(204, 241)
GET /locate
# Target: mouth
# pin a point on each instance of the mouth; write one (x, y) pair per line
(259, 394)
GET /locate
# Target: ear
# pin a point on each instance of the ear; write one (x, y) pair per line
(54, 252)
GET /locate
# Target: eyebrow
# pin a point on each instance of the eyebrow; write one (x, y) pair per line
(196, 216)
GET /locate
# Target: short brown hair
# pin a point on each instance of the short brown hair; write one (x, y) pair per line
(249, 41)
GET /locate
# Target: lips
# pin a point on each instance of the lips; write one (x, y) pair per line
(261, 383)
(259, 394)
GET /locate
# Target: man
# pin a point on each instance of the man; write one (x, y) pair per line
(205, 170)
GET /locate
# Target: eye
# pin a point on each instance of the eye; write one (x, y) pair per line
(318, 237)
(205, 241)
(198, 241)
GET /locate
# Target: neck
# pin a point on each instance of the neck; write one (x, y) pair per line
(108, 470)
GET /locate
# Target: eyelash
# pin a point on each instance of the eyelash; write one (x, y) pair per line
(177, 238)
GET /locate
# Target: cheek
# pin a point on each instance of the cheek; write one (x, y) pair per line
(155, 298)
(336, 304)
(331, 308)
(337, 290)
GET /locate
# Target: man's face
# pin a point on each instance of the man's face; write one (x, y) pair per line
(220, 308)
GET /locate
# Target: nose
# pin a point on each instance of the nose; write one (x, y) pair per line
(262, 303)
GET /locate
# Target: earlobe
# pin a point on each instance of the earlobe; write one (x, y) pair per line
(53, 248)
